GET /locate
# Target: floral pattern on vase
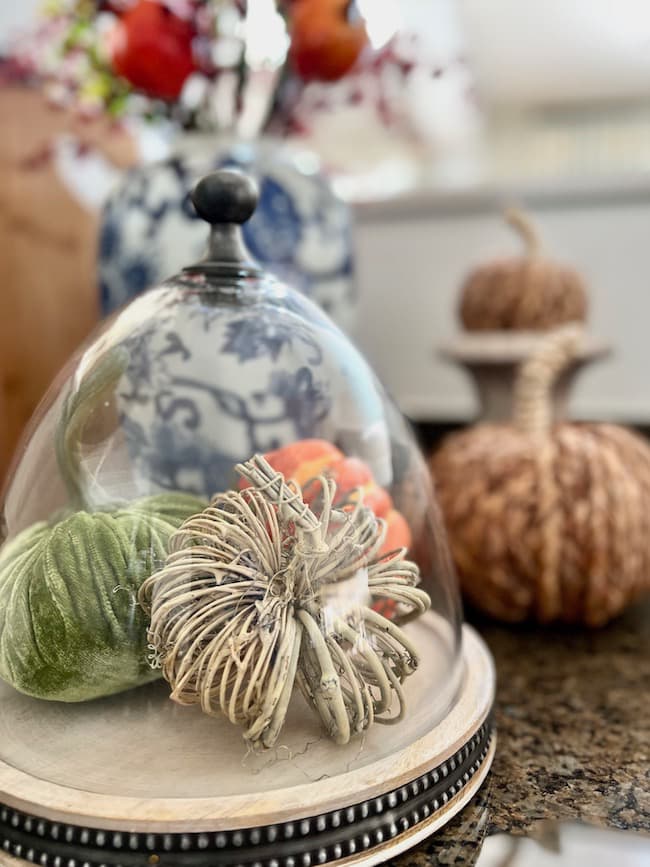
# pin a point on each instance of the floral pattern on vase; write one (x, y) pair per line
(258, 376)
(300, 231)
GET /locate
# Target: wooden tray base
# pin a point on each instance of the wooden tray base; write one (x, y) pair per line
(397, 803)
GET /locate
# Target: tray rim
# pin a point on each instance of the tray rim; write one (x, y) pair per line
(55, 802)
(424, 829)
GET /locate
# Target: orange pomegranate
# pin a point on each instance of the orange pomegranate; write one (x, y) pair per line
(327, 37)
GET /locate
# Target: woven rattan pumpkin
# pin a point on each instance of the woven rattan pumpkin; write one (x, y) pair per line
(528, 292)
(547, 521)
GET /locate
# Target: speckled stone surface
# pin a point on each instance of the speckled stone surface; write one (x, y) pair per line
(573, 720)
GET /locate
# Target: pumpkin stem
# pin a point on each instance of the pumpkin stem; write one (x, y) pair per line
(523, 225)
(533, 407)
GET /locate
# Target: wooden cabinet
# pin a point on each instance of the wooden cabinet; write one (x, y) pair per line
(48, 290)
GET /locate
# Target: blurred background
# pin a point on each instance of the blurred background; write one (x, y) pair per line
(388, 136)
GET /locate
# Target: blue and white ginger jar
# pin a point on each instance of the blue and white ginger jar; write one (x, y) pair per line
(301, 231)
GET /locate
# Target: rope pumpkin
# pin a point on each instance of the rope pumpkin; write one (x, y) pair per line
(70, 626)
(529, 292)
(547, 521)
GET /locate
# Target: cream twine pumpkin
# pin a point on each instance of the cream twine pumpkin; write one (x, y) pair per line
(258, 597)
(528, 293)
(547, 521)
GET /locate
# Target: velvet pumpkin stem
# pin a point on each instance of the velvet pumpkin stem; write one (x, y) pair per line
(532, 404)
(78, 407)
(525, 228)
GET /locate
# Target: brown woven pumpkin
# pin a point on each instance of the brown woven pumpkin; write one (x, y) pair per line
(529, 292)
(547, 521)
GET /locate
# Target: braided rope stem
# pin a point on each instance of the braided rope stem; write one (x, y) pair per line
(532, 403)
(533, 415)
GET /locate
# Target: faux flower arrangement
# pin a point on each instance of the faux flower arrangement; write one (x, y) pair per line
(179, 57)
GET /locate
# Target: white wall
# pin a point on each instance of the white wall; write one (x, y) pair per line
(412, 258)
(558, 51)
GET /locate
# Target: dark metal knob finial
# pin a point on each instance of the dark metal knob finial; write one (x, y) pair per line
(225, 196)
(226, 199)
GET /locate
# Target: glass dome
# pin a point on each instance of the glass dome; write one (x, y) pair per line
(217, 503)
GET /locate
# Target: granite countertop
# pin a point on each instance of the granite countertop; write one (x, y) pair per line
(572, 712)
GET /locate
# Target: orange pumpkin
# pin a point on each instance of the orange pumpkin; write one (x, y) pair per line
(287, 459)
(305, 460)
(398, 533)
(376, 498)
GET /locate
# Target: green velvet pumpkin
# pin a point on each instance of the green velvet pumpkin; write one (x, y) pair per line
(70, 625)
(71, 628)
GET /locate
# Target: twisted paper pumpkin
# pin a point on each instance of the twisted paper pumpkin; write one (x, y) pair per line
(259, 594)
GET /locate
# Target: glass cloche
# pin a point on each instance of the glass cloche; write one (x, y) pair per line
(226, 600)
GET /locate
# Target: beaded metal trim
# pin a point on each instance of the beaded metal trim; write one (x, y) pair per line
(302, 843)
